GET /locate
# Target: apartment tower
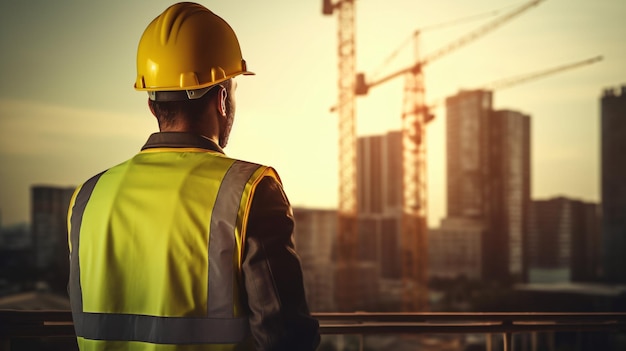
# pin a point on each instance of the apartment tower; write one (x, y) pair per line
(488, 163)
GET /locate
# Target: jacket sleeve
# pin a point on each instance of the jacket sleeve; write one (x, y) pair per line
(272, 275)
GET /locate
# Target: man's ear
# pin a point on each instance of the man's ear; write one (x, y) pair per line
(221, 103)
(151, 107)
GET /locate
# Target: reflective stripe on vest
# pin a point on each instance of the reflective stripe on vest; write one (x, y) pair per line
(220, 325)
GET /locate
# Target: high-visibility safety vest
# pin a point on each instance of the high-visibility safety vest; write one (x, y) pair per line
(156, 248)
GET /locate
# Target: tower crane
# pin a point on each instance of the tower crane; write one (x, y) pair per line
(414, 118)
(512, 81)
(362, 86)
(345, 279)
(523, 78)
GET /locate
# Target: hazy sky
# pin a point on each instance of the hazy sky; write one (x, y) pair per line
(68, 108)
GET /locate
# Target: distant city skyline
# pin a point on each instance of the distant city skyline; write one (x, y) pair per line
(68, 110)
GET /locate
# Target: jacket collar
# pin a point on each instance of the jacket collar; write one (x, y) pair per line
(180, 140)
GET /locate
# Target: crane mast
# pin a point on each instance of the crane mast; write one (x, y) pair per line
(414, 229)
(346, 277)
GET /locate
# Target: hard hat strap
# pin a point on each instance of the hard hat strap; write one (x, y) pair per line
(180, 95)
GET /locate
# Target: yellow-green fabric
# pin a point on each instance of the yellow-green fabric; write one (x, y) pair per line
(101, 345)
(148, 222)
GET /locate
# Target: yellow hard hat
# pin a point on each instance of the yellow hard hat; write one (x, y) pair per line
(187, 47)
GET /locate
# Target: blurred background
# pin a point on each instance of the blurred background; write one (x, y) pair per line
(513, 143)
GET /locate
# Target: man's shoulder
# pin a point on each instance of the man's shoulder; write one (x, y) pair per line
(247, 162)
(262, 170)
(94, 178)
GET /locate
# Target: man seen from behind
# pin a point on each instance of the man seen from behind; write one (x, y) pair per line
(182, 247)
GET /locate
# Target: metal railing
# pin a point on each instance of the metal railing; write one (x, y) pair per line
(506, 324)
(55, 327)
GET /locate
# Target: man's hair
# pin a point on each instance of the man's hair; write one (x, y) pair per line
(167, 112)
